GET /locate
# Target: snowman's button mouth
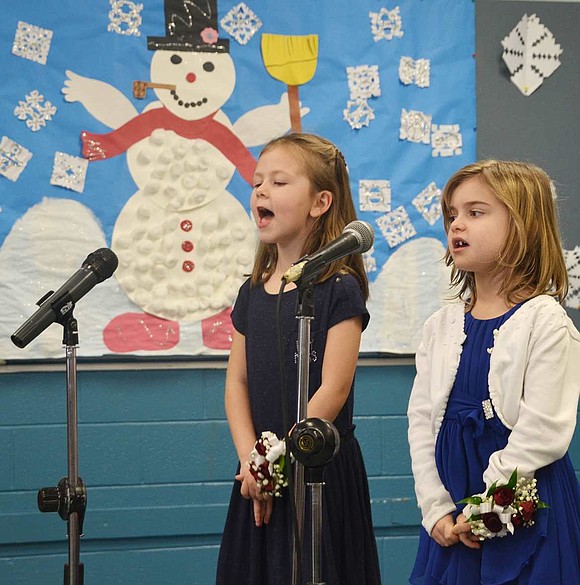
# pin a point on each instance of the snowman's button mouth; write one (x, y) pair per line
(185, 104)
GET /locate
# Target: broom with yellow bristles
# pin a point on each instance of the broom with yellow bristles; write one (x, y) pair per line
(291, 60)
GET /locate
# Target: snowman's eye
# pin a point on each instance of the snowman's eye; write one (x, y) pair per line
(208, 66)
(176, 59)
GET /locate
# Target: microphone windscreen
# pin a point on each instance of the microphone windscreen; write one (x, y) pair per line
(103, 262)
(365, 234)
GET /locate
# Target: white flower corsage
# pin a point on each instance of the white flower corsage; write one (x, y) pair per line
(268, 464)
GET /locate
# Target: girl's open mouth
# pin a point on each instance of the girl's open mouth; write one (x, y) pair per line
(264, 213)
(265, 216)
(458, 244)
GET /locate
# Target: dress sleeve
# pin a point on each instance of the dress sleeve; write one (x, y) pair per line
(347, 301)
(240, 311)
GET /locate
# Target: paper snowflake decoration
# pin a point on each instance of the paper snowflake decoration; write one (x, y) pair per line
(396, 226)
(35, 110)
(374, 195)
(446, 140)
(415, 126)
(531, 54)
(572, 258)
(69, 172)
(363, 81)
(415, 71)
(125, 17)
(386, 24)
(32, 42)
(241, 23)
(428, 203)
(13, 158)
(358, 113)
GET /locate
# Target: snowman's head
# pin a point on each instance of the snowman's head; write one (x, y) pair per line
(203, 81)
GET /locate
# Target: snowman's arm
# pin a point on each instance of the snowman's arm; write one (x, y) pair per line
(260, 125)
(103, 101)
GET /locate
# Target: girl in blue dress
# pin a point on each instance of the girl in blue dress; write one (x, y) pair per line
(497, 384)
(301, 201)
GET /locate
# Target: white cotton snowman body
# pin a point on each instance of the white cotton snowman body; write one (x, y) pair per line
(184, 242)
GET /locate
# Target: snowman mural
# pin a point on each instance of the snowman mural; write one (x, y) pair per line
(184, 242)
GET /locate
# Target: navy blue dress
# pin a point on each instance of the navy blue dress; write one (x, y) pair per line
(263, 556)
(546, 553)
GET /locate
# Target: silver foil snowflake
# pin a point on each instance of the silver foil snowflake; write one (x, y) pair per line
(396, 226)
(13, 158)
(358, 113)
(417, 71)
(32, 42)
(241, 23)
(572, 258)
(363, 81)
(374, 195)
(415, 126)
(35, 110)
(428, 203)
(531, 54)
(386, 24)
(125, 17)
(69, 172)
(446, 140)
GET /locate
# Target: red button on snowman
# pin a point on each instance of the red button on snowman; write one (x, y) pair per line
(184, 242)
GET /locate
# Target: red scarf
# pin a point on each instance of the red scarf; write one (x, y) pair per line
(101, 146)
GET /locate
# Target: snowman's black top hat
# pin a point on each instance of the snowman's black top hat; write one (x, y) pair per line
(191, 25)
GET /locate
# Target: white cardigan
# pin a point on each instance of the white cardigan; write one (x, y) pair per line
(534, 382)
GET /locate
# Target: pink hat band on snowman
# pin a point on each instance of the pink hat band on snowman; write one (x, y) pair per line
(190, 25)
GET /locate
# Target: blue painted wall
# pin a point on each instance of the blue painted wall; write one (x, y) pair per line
(156, 455)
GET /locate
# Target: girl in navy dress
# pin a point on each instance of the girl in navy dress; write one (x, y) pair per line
(301, 201)
(497, 384)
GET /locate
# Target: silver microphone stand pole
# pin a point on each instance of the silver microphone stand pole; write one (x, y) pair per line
(314, 442)
(305, 314)
(69, 498)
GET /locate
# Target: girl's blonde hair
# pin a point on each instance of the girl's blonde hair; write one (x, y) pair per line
(326, 170)
(531, 261)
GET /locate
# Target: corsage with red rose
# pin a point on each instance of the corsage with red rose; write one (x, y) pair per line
(503, 508)
(268, 464)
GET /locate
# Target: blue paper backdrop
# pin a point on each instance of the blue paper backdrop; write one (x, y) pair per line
(439, 30)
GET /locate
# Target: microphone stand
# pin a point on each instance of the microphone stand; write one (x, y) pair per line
(69, 498)
(314, 442)
(305, 315)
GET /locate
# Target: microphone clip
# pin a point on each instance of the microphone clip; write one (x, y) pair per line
(294, 273)
(63, 307)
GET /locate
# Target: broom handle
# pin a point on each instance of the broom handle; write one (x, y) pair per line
(294, 103)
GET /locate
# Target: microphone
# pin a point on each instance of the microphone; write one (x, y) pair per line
(98, 266)
(357, 237)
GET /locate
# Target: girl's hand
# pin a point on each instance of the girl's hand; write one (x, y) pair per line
(463, 531)
(263, 510)
(443, 533)
(262, 502)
